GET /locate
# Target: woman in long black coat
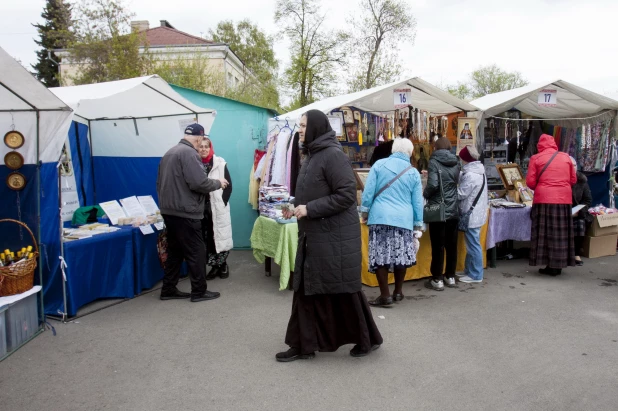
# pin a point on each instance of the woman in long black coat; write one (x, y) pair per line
(329, 309)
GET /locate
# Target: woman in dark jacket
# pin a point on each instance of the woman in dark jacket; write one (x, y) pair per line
(329, 309)
(581, 196)
(443, 235)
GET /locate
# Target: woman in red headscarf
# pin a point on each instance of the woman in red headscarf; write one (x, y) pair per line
(551, 175)
(217, 222)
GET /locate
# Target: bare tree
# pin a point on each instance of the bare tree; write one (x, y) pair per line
(316, 53)
(379, 31)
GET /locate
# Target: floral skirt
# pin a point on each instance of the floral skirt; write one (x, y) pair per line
(392, 247)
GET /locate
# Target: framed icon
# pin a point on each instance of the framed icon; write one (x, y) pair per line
(14, 139)
(13, 160)
(16, 181)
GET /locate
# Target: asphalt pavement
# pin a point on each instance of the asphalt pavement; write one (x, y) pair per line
(518, 341)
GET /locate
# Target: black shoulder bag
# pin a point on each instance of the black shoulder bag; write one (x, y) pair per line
(436, 213)
(464, 220)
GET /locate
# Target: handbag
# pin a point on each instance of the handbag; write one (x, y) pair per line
(464, 220)
(436, 213)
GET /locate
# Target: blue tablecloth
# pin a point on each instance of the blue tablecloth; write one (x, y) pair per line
(148, 271)
(100, 267)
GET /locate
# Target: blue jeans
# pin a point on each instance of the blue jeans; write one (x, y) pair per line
(474, 256)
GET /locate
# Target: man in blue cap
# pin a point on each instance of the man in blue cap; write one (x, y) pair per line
(182, 186)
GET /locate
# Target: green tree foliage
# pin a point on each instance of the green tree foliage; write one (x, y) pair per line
(316, 53)
(105, 48)
(54, 33)
(255, 48)
(486, 80)
(378, 31)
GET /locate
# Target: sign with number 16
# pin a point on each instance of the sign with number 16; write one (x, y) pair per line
(402, 97)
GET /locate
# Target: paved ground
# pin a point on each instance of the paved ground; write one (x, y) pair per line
(520, 341)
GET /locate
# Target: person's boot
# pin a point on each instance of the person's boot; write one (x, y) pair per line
(224, 271)
(214, 273)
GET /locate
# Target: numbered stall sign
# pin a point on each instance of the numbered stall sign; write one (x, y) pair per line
(402, 97)
(548, 98)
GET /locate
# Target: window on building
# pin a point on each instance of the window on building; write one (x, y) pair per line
(230, 79)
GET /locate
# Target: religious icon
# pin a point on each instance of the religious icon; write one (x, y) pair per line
(466, 134)
(466, 131)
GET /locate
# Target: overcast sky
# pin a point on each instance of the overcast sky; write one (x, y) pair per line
(573, 40)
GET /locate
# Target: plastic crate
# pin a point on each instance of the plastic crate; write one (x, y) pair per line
(3, 349)
(22, 321)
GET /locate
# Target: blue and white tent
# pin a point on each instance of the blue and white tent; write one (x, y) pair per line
(44, 120)
(124, 128)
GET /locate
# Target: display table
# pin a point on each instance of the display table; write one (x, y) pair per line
(280, 241)
(277, 241)
(148, 270)
(507, 224)
(423, 257)
(100, 267)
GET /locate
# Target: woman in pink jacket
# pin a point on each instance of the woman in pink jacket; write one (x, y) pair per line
(551, 175)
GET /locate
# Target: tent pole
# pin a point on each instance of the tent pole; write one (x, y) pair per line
(64, 282)
(38, 214)
(94, 184)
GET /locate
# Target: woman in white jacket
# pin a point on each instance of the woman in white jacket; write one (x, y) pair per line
(217, 222)
(472, 180)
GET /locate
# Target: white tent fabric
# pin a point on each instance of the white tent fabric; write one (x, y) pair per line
(140, 97)
(572, 101)
(138, 117)
(380, 99)
(21, 96)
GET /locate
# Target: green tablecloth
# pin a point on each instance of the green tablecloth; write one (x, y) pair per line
(279, 241)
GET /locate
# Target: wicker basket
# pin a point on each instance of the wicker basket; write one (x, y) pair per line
(19, 277)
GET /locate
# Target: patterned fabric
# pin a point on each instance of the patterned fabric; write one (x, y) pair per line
(552, 239)
(391, 246)
(579, 227)
(508, 224)
(218, 259)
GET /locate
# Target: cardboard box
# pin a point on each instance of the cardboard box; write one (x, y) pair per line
(604, 225)
(600, 246)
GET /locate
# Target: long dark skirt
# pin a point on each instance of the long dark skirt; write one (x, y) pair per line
(552, 242)
(325, 322)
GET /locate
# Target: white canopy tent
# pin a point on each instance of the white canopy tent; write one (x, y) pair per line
(380, 99)
(572, 102)
(28, 107)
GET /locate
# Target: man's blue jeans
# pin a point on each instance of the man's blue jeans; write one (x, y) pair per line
(474, 256)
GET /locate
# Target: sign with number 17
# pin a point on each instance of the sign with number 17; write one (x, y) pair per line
(402, 97)
(548, 98)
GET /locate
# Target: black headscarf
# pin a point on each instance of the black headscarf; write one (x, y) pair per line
(317, 125)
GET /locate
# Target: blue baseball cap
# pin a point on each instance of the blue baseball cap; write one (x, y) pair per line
(194, 130)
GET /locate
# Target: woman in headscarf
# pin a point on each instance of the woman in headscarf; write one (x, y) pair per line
(216, 214)
(329, 309)
(551, 175)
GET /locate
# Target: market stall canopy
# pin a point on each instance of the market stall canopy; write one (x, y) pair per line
(571, 101)
(21, 97)
(380, 99)
(136, 98)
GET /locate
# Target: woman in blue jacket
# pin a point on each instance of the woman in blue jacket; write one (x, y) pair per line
(392, 206)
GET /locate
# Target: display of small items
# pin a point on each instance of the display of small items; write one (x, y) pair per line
(14, 160)
(9, 257)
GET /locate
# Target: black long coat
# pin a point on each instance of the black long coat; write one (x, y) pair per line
(329, 238)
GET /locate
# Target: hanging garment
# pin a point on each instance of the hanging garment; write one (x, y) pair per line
(254, 187)
(278, 168)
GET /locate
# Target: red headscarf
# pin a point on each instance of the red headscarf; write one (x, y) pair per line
(212, 151)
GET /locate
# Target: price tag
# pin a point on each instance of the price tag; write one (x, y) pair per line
(548, 98)
(160, 226)
(146, 229)
(402, 97)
